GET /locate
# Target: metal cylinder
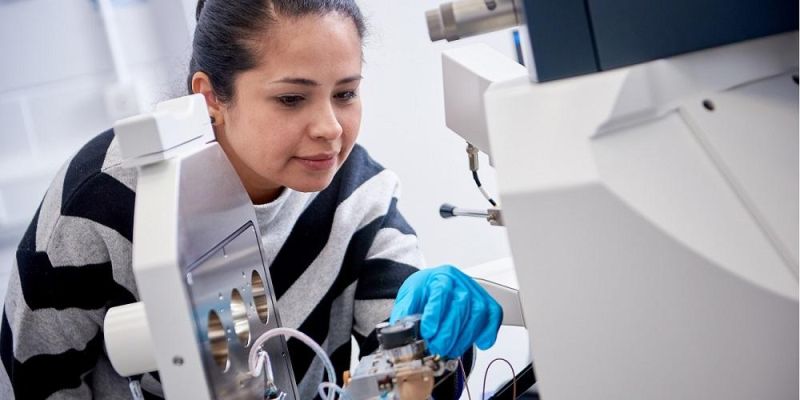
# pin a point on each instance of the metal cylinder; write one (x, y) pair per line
(464, 18)
(468, 212)
(399, 334)
(128, 341)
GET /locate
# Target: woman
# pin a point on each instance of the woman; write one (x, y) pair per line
(281, 82)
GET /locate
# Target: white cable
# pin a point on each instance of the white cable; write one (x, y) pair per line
(485, 194)
(262, 359)
(331, 387)
(252, 359)
(136, 389)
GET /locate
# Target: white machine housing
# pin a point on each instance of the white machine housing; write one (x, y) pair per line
(652, 213)
(206, 294)
(468, 72)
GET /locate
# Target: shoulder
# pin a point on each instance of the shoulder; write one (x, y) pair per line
(96, 163)
(91, 186)
(95, 175)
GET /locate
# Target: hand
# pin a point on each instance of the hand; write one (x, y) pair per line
(456, 311)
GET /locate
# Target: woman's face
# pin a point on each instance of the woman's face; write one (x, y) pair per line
(295, 117)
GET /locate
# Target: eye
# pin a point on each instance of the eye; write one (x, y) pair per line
(346, 95)
(290, 100)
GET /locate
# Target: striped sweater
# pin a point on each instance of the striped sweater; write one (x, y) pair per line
(337, 259)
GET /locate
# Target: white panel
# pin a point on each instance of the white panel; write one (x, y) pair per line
(174, 23)
(619, 310)
(140, 40)
(753, 134)
(13, 134)
(21, 199)
(468, 72)
(49, 40)
(189, 15)
(3, 212)
(642, 275)
(64, 119)
(660, 170)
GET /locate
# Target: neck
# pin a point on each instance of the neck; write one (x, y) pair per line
(263, 196)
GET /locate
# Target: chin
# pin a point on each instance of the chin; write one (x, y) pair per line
(311, 185)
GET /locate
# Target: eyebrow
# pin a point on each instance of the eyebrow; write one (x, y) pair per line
(309, 82)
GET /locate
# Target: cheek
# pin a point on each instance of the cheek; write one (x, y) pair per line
(351, 126)
(263, 141)
(351, 123)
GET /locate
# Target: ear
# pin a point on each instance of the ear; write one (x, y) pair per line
(201, 83)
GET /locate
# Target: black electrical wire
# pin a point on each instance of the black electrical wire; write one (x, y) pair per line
(513, 377)
(478, 182)
(466, 383)
(523, 381)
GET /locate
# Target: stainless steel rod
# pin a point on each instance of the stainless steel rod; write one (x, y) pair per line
(464, 18)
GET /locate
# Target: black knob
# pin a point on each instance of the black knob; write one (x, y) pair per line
(401, 333)
(446, 210)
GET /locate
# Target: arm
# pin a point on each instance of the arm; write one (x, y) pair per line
(62, 283)
(45, 350)
(392, 257)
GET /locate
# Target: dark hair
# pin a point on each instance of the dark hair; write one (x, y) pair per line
(222, 46)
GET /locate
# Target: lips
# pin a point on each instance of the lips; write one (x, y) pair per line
(318, 162)
(319, 157)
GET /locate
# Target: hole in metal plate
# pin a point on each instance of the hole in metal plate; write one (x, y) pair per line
(260, 301)
(239, 314)
(217, 340)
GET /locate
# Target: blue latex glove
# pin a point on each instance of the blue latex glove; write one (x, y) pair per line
(456, 311)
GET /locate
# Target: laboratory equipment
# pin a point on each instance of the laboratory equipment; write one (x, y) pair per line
(575, 37)
(207, 320)
(400, 369)
(205, 291)
(460, 19)
(492, 215)
(651, 204)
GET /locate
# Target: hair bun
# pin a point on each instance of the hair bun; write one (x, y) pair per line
(200, 4)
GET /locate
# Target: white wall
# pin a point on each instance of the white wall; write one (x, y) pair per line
(55, 68)
(404, 129)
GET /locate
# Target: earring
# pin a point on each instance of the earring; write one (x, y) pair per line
(213, 120)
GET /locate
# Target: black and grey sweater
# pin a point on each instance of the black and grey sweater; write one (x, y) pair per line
(337, 259)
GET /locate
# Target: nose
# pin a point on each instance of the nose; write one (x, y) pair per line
(325, 124)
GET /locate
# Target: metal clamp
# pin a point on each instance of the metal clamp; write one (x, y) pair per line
(494, 215)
